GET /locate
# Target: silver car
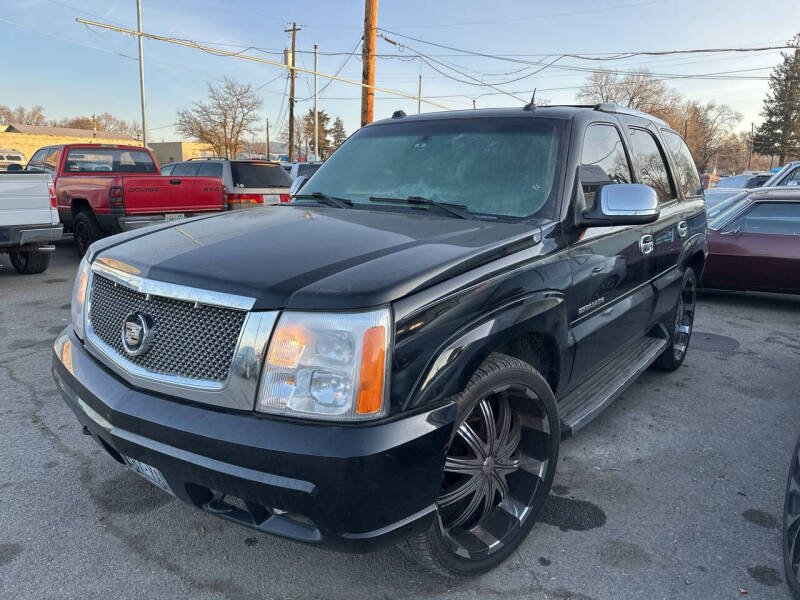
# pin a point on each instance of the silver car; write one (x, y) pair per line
(248, 182)
(11, 157)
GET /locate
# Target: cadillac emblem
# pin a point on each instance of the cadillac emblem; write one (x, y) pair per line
(137, 330)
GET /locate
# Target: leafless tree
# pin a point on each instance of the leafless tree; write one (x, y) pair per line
(639, 90)
(222, 120)
(34, 116)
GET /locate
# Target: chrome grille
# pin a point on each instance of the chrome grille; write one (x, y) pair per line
(189, 341)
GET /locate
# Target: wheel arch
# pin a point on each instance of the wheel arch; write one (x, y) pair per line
(532, 329)
(80, 205)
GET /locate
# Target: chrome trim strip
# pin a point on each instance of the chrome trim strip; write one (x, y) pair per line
(238, 391)
(172, 290)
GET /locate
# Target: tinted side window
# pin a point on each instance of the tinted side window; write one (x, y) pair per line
(51, 162)
(652, 167)
(687, 178)
(793, 179)
(37, 160)
(603, 160)
(210, 169)
(187, 168)
(167, 169)
(771, 218)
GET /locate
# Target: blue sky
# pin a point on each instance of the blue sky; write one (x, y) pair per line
(72, 70)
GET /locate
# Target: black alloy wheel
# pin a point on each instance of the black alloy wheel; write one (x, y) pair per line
(791, 524)
(497, 472)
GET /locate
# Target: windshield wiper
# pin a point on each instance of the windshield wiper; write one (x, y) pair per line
(326, 199)
(458, 210)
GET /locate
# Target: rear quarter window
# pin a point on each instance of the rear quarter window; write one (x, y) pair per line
(259, 175)
(186, 169)
(687, 178)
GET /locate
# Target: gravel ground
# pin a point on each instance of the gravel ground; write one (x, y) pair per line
(676, 491)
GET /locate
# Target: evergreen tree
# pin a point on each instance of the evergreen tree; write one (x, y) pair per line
(780, 132)
(338, 133)
(324, 130)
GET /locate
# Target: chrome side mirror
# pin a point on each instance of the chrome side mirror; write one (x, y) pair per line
(297, 184)
(622, 204)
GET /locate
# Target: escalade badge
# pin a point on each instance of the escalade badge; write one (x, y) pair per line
(137, 330)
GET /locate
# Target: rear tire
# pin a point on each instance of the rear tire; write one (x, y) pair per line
(29, 263)
(86, 230)
(680, 324)
(497, 473)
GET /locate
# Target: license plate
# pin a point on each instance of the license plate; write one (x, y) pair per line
(174, 217)
(152, 474)
(271, 198)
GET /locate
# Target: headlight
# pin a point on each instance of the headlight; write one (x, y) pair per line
(327, 366)
(79, 298)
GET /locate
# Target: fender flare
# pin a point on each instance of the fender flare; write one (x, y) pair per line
(453, 363)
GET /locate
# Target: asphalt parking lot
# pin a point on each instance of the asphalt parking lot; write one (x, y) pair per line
(676, 491)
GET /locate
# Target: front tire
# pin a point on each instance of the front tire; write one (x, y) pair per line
(791, 525)
(497, 472)
(29, 263)
(680, 324)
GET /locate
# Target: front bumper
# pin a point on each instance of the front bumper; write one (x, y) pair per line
(350, 488)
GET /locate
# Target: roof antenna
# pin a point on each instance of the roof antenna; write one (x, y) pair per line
(532, 104)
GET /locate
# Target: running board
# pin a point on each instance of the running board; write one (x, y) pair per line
(589, 399)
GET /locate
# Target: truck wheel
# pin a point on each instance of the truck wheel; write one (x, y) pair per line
(497, 471)
(791, 525)
(680, 324)
(86, 230)
(29, 263)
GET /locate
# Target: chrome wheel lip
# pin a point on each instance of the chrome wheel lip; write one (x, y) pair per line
(487, 478)
(791, 521)
(684, 319)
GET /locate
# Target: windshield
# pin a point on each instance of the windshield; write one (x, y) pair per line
(259, 175)
(725, 209)
(507, 167)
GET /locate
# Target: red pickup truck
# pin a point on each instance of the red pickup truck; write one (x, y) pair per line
(104, 189)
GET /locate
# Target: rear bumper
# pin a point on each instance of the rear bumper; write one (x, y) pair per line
(129, 223)
(14, 236)
(354, 488)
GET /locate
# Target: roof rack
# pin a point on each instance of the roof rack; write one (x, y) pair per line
(611, 107)
(207, 158)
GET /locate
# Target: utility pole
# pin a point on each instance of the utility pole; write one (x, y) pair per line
(267, 132)
(473, 104)
(293, 31)
(316, 116)
(750, 150)
(419, 95)
(368, 58)
(141, 71)
(685, 127)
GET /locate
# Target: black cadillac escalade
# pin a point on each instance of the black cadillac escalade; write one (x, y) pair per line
(395, 355)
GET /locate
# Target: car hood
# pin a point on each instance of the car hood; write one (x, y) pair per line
(315, 257)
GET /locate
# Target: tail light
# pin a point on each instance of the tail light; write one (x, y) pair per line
(51, 189)
(224, 195)
(245, 199)
(115, 198)
(285, 197)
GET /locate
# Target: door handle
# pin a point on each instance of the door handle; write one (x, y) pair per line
(683, 228)
(175, 181)
(646, 244)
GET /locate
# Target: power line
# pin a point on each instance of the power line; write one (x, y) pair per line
(226, 53)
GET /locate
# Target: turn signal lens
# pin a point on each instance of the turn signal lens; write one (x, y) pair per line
(79, 290)
(373, 361)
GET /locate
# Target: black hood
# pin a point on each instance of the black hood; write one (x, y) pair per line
(316, 257)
